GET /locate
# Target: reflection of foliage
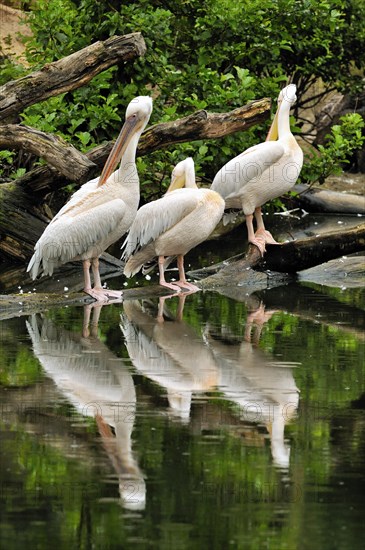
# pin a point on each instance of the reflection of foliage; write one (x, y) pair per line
(18, 365)
(346, 296)
(22, 371)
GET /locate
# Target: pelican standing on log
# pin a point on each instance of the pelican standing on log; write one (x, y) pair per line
(100, 212)
(173, 225)
(263, 172)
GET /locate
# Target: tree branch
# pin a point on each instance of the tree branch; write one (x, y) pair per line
(68, 73)
(199, 125)
(204, 125)
(62, 156)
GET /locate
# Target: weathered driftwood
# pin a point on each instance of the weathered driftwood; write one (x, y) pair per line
(21, 223)
(68, 73)
(287, 258)
(204, 125)
(343, 272)
(61, 155)
(313, 199)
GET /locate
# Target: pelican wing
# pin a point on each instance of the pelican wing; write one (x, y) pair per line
(71, 236)
(157, 217)
(247, 167)
(77, 197)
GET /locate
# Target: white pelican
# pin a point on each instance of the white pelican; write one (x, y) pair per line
(100, 212)
(263, 172)
(173, 225)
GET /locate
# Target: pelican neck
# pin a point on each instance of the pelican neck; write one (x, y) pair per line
(284, 119)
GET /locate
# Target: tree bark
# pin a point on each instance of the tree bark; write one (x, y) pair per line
(204, 125)
(64, 157)
(68, 73)
(21, 223)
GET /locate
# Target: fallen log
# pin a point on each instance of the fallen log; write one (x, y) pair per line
(15, 305)
(313, 199)
(68, 73)
(281, 262)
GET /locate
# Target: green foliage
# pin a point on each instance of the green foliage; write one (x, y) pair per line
(344, 139)
(206, 54)
(85, 118)
(9, 69)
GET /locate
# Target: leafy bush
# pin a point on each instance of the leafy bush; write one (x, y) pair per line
(213, 54)
(344, 139)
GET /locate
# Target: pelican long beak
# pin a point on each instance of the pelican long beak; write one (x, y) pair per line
(122, 142)
(177, 182)
(273, 133)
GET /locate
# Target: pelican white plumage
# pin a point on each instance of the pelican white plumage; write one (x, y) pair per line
(173, 225)
(100, 212)
(263, 172)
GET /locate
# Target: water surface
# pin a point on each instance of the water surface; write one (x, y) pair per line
(232, 420)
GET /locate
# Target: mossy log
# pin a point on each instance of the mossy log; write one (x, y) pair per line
(281, 261)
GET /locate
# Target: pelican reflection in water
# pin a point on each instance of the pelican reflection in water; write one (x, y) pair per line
(264, 389)
(99, 385)
(170, 352)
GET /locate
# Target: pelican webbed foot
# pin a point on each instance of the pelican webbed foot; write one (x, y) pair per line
(188, 286)
(174, 287)
(103, 295)
(266, 235)
(97, 294)
(118, 294)
(259, 242)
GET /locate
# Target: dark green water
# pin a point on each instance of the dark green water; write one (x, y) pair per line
(230, 424)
